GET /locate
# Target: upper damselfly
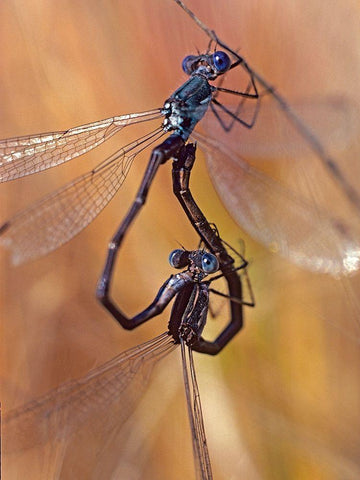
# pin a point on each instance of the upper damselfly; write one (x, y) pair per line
(306, 233)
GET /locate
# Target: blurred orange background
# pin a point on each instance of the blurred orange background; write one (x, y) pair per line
(283, 399)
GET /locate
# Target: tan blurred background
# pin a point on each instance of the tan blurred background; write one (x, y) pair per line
(283, 400)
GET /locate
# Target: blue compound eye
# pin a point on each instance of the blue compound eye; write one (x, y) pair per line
(187, 64)
(179, 258)
(209, 263)
(221, 61)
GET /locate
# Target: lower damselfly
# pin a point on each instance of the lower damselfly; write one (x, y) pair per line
(117, 386)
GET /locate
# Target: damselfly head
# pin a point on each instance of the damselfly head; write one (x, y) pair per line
(197, 261)
(210, 65)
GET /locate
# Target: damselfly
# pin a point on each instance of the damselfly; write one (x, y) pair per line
(117, 385)
(315, 239)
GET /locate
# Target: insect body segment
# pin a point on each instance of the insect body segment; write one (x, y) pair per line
(189, 103)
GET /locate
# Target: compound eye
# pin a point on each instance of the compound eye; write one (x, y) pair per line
(179, 258)
(221, 61)
(187, 64)
(209, 263)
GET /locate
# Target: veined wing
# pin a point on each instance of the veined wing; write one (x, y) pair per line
(22, 156)
(118, 384)
(332, 119)
(283, 222)
(200, 450)
(57, 218)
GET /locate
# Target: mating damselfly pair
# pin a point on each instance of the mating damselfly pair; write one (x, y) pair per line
(331, 246)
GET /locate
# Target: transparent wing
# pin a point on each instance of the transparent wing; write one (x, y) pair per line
(282, 221)
(57, 218)
(334, 120)
(22, 156)
(200, 450)
(62, 411)
(275, 145)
